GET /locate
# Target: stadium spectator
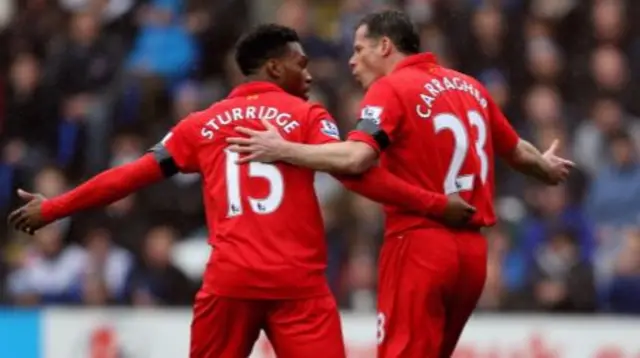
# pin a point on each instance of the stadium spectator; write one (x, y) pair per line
(553, 210)
(88, 84)
(154, 280)
(107, 268)
(30, 107)
(607, 117)
(625, 287)
(613, 197)
(107, 10)
(163, 47)
(82, 67)
(561, 280)
(49, 272)
(506, 273)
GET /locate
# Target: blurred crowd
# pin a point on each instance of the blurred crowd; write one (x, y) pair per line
(90, 84)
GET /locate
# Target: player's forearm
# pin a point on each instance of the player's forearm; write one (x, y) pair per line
(380, 185)
(529, 161)
(105, 188)
(341, 157)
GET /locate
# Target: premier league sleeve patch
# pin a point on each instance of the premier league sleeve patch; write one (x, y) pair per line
(372, 113)
(329, 128)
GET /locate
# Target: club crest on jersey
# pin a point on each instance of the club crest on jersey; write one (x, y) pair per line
(371, 113)
(330, 129)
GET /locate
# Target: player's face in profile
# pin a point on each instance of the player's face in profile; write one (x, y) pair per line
(366, 61)
(296, 79)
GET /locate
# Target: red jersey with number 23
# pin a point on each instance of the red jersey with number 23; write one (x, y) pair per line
(437, 129)
(265, 225)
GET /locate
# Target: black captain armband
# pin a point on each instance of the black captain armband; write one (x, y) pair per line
(372, 128)
(165, 160)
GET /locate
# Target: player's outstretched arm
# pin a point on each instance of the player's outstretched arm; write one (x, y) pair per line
(382, 186)
(103, 189)
(522, 155)
(548, 167)
(349, 157)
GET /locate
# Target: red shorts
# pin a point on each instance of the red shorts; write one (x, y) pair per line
(430, 282)
(226, 327)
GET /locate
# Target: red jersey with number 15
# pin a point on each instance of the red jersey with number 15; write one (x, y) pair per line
(438, 129)
(265, 225)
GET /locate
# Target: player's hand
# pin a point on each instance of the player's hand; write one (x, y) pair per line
(259, 146)
(457, 212)
(559, 168)
(28, 218)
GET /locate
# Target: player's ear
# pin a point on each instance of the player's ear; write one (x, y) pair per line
(274, 68)
(386, 46)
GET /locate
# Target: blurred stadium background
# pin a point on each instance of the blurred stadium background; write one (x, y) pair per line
(90, 84)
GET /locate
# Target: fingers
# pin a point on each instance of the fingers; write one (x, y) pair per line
(247, 158)
(554, 146)
(469, 212)
(22, 224)
(564, 169)
(563, 161)
(250, 156)
(240, 141)
(20, 221)
(267, 124)
(14, 216)
(23, 194)
(242, 149)
(561, 176)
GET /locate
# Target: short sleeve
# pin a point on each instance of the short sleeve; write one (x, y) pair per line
(503, 136)
(177, 151)
(322, 128)
(380, 116)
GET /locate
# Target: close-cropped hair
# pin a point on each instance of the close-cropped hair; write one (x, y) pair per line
(395, 25)
(261, 44)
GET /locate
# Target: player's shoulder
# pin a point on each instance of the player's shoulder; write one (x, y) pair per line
(398, 84)
(387, 88)
(385, 83)
(295, 102)
(307, 110)
(294, 105)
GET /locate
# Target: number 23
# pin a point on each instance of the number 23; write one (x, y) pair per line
(453, 181)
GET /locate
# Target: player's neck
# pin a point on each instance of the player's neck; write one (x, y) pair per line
(393, 61)
(260, 78)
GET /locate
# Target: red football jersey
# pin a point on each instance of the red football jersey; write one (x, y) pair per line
(439, 130)
(266, 228)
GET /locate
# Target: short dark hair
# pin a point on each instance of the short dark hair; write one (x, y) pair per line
(261, 44)
(620, 135)
(395, 25)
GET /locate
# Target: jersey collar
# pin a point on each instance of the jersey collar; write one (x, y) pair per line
(255, 87)
(421, 59)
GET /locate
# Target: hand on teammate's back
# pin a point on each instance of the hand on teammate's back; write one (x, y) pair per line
(28, 218)
(457, 212)
(559, 168)
(260, 146)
